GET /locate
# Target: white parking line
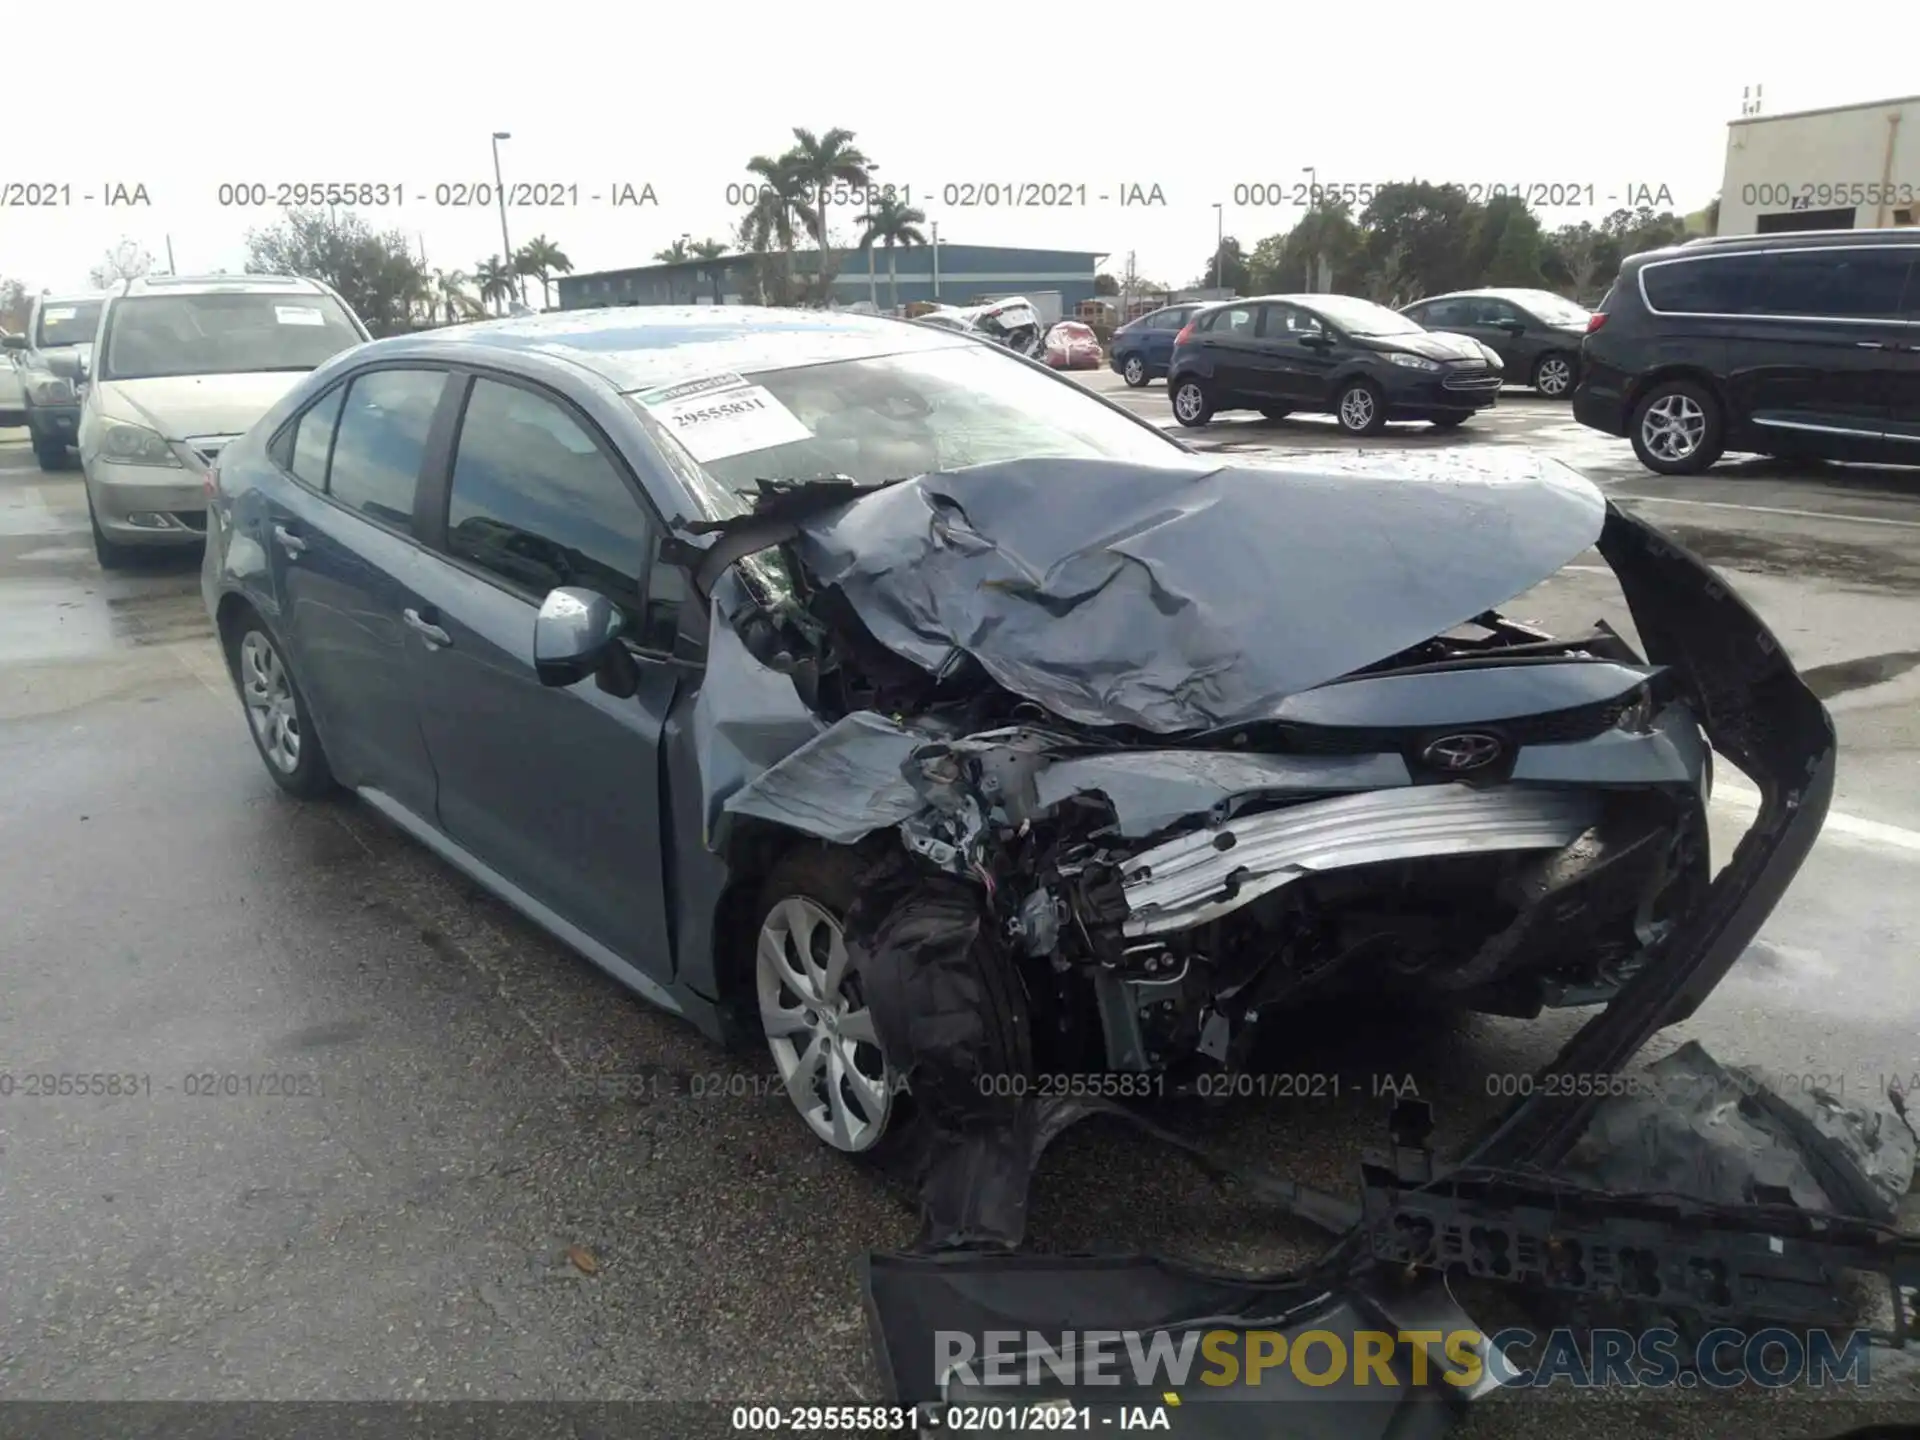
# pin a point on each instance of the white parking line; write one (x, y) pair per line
(1873, 833)
(1772, 510)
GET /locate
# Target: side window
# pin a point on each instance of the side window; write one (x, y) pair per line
(381, 439)
(536, 502)
(1715, 285)
(1863, 284)
(1287, 322)
(1437, 316)
(1500, 312)
(312, 437)
(1233, 320)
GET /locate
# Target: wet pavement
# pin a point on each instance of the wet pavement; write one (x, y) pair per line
(357, 1148)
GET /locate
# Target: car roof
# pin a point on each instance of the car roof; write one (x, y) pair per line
(634, 347)
(224, 284)
(1781, 240)
(79, 298)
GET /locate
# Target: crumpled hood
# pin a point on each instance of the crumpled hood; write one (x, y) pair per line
(179, 406)
(1181, 599)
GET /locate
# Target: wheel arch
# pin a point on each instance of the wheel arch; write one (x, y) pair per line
(1641, 384)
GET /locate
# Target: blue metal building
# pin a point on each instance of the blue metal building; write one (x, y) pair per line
(950, 274)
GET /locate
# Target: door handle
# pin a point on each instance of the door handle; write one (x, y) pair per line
(289, 542)
(428, 631)
(1870, 345)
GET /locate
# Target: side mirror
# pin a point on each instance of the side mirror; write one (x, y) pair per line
(576, 633)
(13, 342)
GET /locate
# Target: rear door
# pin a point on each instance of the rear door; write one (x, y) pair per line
(1163, 326)
(1230, 343)
(343, 557)
(1814, 352)
(558, 790)
(1903, 413)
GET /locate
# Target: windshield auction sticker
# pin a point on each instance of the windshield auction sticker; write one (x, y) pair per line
(723, 415)
(298, 315)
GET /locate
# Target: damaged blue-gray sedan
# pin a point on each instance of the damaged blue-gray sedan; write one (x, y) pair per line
(853, 688)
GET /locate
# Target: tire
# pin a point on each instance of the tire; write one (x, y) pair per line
(1448, 422)
(1553, 375)
(1134, 371)
(1197, 400)
(111, 554)
(50, 452)
(806, 899)
(1275, 416)
(1359, 408)
(276, 710)
(1677, 428)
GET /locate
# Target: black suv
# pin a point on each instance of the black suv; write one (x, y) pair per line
(1804, 345)
(1361, 362)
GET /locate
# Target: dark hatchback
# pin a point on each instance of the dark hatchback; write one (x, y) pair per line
(1535, 333)
(1142, 349)
(1327, 354)
(1798, 345)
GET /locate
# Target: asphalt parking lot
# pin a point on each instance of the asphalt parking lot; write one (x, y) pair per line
(449, 1207)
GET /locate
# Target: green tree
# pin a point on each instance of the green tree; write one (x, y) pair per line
(16, 306)
(1325, 241)
(1644, 229)
(540, 259)
(891, 222)
(674, 253)
(770, 226)
(374, 271)
(496, 281)
(1508, 247)
(822, 162)
(710, 249)
(1226, 269)
(453, 298)
(1105, 284)
(1581, 261)
(1413, 241)
(126, 261)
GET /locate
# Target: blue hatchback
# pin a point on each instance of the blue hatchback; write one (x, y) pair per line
(1143, 349)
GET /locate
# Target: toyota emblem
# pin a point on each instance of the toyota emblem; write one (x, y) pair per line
(1462, 752)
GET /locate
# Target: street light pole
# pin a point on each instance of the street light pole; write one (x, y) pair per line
(1313, 184)
(500, 189)
(1219, 246)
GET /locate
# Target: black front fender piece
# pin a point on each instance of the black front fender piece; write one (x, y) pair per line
(1758, 713)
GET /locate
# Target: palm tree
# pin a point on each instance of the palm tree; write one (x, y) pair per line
(541, 259)
(450, 289)
(674, 253)
(711, 249)
(821, 162)
(769, 224)
(495, 277)
(890, 222)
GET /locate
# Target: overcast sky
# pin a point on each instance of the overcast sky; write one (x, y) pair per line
(184, 96)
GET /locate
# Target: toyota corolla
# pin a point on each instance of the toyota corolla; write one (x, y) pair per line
(879, 695)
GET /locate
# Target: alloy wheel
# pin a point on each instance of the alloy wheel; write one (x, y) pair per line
(1356, 408)
(271, 709)
(1673, 427)
(1555, 376)
(1135, 373)
(819, 1028)
(1188, 402)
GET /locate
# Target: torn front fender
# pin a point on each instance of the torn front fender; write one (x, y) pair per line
(1758, 713)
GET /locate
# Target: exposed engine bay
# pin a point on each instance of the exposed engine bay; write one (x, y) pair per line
(1135, 755)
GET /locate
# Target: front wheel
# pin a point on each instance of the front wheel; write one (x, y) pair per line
(1360, 409)
(1134, 371)
(1553, 376)
(1677, 428)
(812, 1007)
(1192, 404)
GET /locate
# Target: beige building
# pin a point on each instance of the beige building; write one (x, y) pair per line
(1848, 167)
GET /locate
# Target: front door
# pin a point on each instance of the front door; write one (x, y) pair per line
(341, 551)
(558, 790)
(1297, 356)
